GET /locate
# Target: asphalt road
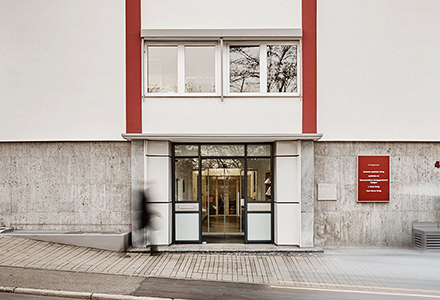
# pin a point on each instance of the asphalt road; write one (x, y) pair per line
(69, 281)
(214, 290)
(237, 292)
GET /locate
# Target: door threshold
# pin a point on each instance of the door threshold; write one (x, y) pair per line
(223, 239)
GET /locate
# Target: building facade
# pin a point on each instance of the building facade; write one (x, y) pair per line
(246, 119)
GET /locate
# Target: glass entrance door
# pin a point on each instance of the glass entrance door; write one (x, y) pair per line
(222, 196)
(223, 193)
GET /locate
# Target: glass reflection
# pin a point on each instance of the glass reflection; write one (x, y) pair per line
(186, 173)
(222, 150)
(162, 70)
(260, 184)
(222, 191)
(258, 150)
(186, 150)
(199, 69)
(244, 69)
(282, 69)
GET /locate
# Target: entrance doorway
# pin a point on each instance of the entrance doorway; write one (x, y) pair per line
(222, 193)
(223, 200)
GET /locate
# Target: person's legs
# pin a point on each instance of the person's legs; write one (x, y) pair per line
(153, 246)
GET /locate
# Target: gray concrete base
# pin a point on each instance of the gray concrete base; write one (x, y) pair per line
(114, 241)
(237, 249)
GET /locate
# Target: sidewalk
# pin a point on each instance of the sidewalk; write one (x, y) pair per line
(398, 271)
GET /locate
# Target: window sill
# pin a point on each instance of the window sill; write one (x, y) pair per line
(225, 96)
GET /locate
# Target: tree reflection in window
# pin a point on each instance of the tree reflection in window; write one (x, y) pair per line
(244, 69)
(282, 69)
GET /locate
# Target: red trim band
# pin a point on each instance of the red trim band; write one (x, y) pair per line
(309, 66)
(133, 60)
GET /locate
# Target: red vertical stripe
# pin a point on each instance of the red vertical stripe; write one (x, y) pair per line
(133, 43)
(309, 66)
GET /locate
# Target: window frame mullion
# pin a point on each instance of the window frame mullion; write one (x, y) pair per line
(180, 69)
(263, 68)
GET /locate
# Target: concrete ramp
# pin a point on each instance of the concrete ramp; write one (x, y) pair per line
(115, 241)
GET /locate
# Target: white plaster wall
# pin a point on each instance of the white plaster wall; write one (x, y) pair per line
(210, 115)
(220, 14)
(287, 191)
(62, 70)
(287, 224)
(157, 163)
(378, 69)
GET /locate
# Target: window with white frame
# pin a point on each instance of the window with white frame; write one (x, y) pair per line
(180, 69)
(264, 68)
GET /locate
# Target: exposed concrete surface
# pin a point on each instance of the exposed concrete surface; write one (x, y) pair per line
(65, 186)
(414, 194)
(307, 193)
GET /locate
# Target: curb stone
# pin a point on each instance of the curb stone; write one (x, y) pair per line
(53, 293)
(77, 295)
(98, 296)
(7, 289)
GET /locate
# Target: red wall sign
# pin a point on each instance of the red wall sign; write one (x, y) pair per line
(373, 178)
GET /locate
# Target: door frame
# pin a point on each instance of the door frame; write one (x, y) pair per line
(199, 184)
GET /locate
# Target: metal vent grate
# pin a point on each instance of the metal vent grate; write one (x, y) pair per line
(426, 236)
(418, 237)
(433, 241)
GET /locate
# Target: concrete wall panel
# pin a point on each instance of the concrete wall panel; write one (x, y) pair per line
(414, 194)
(66, 186)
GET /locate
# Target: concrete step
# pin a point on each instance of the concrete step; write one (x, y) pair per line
(238, 249)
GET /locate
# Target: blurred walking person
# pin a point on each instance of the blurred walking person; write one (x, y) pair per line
(147, 219)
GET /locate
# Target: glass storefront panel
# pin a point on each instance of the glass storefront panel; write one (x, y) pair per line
(186, 174)
(260, 183)
(186, 150)
(226, 184)
(258, 150)
(222, 150)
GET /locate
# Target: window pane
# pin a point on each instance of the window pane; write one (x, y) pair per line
(259, 184)
(222, 150)
(186, 174)
(162, 70)
(244, 69)
(258, 150)
(186, 150)
(282, 69)
(200, 69)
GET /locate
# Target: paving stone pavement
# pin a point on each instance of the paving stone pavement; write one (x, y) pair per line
(405, 272)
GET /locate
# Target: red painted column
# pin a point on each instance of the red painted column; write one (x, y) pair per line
(133, 61)
(309, 55)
